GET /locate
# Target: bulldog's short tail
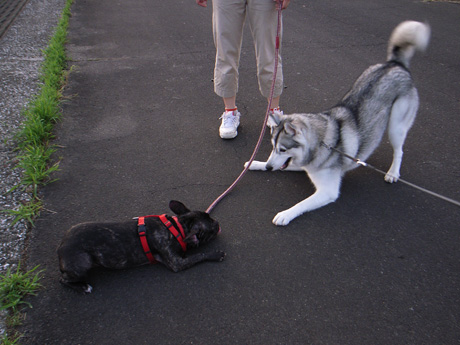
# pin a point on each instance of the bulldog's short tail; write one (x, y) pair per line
(407, 38)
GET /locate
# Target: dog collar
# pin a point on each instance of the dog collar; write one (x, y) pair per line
(178, 234)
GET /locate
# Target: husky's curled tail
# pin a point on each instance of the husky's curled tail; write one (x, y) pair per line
(407, 38)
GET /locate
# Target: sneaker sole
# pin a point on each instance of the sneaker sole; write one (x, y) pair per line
(228, 135)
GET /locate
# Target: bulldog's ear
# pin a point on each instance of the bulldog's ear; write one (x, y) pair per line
(274, 119)
(178, 208)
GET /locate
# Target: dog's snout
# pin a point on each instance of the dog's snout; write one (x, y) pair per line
(268, 167)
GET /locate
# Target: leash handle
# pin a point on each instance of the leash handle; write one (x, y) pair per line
(267, 113)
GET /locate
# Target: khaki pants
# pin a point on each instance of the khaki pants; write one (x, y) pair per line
(228, 22)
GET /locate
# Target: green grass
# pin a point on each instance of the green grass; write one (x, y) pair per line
(34, 161)
(26, 212)
(40, 116)
(14, 287)
(35, 153)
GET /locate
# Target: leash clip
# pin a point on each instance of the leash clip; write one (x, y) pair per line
(326, 145)
(359, 161)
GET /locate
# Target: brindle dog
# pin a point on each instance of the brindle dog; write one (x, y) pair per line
(118, 246)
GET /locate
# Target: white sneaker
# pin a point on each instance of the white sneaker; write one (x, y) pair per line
(230, 123)
(276, 111)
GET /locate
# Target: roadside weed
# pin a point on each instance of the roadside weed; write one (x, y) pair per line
(40, 116)
(36, 170)
(14, 286)
(7, 341)
(26, 212)
(35, 153)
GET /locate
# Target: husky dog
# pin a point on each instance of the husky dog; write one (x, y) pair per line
(384, 95)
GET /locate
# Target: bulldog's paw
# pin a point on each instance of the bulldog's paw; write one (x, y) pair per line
(80, 287)
(87, 289)
(217, 256)
(256, 165)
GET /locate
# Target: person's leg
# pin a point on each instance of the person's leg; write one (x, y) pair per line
(263, 20)
(230, 102)
(228, 23)
(275, 103)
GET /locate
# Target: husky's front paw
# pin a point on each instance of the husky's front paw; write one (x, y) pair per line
(256, 165)
(391, 178)
(283, 218)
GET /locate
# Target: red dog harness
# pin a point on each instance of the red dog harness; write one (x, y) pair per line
(179, 235)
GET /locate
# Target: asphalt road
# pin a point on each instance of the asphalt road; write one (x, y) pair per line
(140, 127)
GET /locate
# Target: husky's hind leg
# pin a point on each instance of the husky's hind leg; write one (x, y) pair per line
(401, 119)
(327, 184)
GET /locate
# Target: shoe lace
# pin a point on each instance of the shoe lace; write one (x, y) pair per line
(229, 120)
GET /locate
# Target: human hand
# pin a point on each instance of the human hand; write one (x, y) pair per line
(284, 3)
(202, 3)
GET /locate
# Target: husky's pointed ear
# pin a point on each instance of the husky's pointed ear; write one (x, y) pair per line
(273, 120)
(290, 129)
(178, 208)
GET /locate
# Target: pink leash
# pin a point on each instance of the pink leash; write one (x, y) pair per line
(262, 132)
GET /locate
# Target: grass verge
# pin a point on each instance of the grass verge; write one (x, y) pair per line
(35, 150)
(14, 286)
(40, 116)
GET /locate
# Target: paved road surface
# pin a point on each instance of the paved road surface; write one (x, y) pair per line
(380, 266)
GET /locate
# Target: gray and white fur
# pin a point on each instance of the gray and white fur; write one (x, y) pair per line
(383, 96)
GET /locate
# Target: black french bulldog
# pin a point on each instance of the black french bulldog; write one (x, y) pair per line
(120, 245)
